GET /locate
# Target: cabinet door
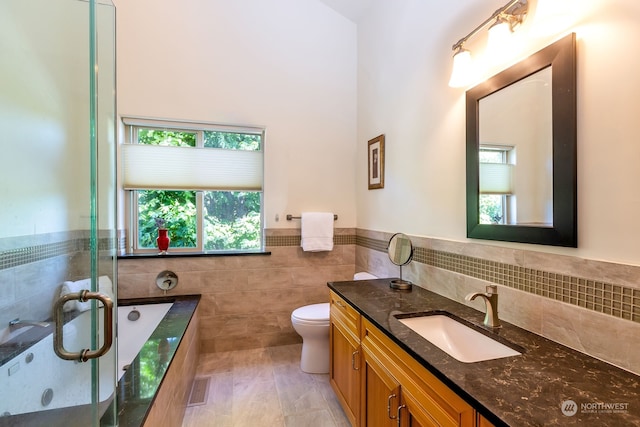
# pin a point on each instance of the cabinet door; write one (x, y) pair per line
(483, 422)
(381, 393)
(412, 414)
(344, 372)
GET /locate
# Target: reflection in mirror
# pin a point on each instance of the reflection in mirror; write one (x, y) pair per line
(515, 153)
(521, 151)
(400, 251)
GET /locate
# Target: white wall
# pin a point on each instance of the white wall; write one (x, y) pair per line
(404, 63)
(44, 117)
(287, 65)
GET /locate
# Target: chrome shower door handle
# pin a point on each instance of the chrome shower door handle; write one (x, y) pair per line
(58, 318)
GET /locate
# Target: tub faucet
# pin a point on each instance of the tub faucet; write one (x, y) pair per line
(491, 300)
(17, 324)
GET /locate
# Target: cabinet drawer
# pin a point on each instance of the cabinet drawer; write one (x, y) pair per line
(345, 313)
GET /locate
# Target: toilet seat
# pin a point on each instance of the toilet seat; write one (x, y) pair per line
(314, 314)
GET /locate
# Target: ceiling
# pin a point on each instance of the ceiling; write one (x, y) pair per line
(351, 9)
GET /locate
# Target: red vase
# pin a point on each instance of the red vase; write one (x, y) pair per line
(163, 240)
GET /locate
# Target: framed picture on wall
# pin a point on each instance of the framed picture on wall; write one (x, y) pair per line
(376, 162)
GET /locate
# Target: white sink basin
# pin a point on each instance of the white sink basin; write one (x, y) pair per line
(456, 339)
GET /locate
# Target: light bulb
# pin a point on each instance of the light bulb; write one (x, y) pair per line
(461, 73)
(499, 36)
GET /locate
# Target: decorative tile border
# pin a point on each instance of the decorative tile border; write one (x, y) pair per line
(16, 257)
(603, 297)
(25, 255)
(293, 240)
(375, 244)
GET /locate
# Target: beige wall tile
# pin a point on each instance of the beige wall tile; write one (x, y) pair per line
(246, 300)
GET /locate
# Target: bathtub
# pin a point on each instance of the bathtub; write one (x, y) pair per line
(18, 395)
(136, 323)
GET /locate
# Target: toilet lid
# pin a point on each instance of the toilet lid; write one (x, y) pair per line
(312, 312)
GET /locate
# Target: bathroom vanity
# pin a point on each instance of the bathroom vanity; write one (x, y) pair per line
(384, 373)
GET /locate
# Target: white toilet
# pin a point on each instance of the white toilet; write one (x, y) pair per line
(311, 322)
(364, 276)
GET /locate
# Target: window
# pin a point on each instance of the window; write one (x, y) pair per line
(496, 202)
(203, 181)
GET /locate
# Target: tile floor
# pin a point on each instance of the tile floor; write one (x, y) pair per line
(264, 387)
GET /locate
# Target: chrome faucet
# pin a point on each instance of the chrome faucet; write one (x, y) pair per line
(17, 324)
(491, 300)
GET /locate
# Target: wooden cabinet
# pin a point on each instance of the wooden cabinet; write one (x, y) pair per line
(379, 385)
(423, 399)
(345, 360)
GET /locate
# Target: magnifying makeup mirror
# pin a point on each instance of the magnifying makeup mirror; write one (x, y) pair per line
(400, 252)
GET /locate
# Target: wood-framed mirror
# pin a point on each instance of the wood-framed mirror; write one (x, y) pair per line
(525, 195)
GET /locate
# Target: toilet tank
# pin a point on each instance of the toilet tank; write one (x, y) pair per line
(363, 275)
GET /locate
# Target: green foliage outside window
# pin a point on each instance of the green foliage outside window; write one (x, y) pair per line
(233, 141)
(177, 208)
(491, 210)
(165, 137)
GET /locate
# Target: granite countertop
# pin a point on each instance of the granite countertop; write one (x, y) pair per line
(525, 390)
(138, 386)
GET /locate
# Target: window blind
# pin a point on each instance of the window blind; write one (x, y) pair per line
(496, 178)
(191, 168)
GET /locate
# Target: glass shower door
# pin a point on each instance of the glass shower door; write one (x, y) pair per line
(57, 225)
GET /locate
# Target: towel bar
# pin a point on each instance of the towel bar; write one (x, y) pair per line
(290, 217)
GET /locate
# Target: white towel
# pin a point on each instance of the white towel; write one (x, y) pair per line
(104, 286)
(317, 231)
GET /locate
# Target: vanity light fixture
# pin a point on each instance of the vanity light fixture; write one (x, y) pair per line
(501, 23)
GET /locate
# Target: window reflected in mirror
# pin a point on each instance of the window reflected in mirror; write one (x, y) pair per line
(517, 117)
(497, 201)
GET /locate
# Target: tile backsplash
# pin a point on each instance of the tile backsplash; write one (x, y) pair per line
(587, 305)
(593, 294)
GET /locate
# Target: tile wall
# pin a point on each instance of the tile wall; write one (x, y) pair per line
(32, 268)
(247, 300)
(588, 305)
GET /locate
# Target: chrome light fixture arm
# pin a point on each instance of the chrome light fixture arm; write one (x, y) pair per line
(513, 12)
